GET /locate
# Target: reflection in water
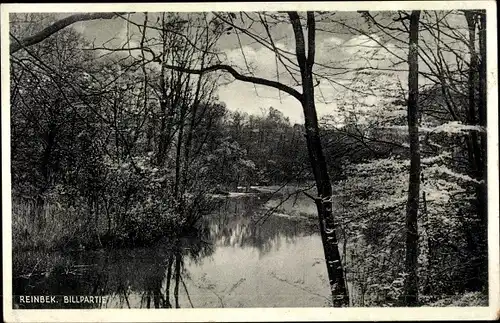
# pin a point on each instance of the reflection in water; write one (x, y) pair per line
(235, 263)
(236, 225)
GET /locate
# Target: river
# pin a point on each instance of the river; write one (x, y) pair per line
(249, 259)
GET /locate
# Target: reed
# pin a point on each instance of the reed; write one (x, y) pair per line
(51, 226)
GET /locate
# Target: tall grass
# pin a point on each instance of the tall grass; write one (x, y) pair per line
(45, 228)
(57, 226)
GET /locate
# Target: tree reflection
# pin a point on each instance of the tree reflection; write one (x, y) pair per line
(234, 225)
(140, 277)
(152, 277)
(162, 280)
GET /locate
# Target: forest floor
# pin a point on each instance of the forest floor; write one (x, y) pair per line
(468, 299)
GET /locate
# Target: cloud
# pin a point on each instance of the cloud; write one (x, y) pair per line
(246, 97)
(261, 62)
(358, 51)
(331, 51)
(333, 54)
(361, 43)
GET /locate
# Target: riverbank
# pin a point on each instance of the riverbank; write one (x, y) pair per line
(56, 227)
(240, 264)
(276, 257)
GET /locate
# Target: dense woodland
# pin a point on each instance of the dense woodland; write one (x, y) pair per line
(113, 146)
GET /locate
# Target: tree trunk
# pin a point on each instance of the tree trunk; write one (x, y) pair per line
(177, 279)
(472, 86)
(318, 163)
(411, 282)
(156, 298)
(483, 188)
(46, 170)
(148, 300)
(178, 149)
(168, 278)
(324, 206)
(477, 148)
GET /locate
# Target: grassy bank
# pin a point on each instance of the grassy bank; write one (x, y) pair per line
(56, 227)
(47, 228)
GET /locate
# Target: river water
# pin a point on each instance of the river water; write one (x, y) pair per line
(249, 259)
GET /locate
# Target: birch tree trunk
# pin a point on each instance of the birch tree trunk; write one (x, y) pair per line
(317, 160)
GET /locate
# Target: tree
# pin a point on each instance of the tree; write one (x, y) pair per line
(411, 283)
(86, 124)
(452, 133)
(305, 56)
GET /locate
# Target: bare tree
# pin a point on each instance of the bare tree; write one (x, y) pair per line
(411, 282)
(452, 53)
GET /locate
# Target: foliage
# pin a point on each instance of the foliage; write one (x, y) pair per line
(372, 199)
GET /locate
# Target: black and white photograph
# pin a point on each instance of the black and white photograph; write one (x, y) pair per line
(250, 158)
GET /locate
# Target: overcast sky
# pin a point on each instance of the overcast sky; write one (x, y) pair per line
(336, 47)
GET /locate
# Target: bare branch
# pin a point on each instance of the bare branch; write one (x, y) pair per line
(240, 77)
(311, 39)
(58, 25)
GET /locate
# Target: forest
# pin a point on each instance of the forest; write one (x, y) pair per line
(125, 144)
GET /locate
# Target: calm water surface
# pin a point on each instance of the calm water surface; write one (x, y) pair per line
(242, 263)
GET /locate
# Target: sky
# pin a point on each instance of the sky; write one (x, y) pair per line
(336, 47)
